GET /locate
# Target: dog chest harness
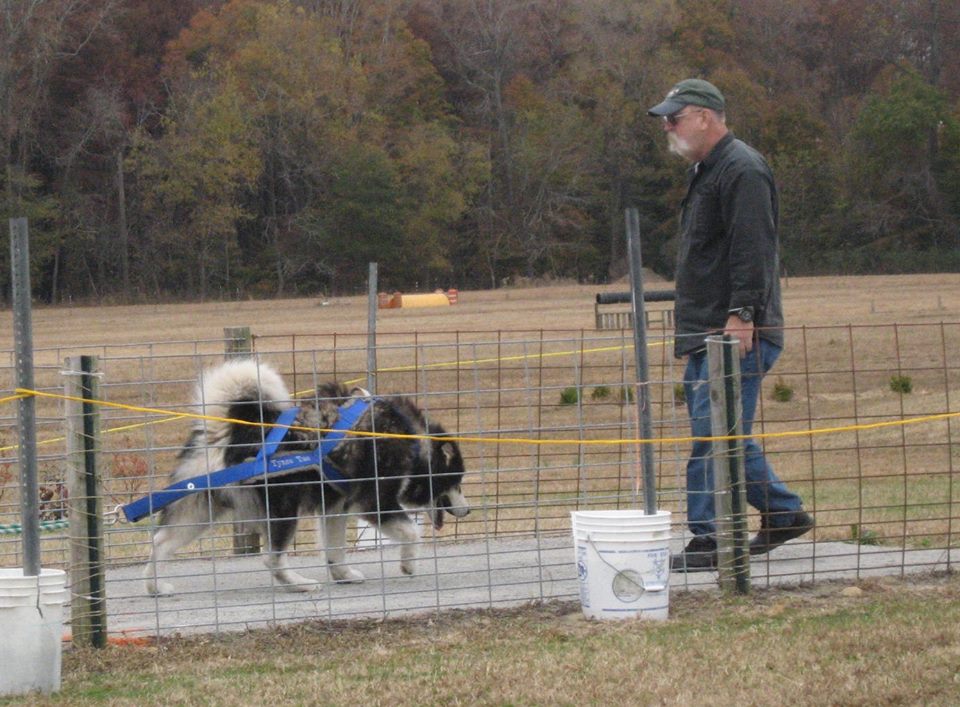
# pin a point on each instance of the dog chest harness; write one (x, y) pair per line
(264, 464)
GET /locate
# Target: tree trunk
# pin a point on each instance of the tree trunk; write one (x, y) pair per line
(122, 231)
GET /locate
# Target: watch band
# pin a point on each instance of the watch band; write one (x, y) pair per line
(745, 314)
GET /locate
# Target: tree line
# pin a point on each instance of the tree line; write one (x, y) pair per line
(248, 148)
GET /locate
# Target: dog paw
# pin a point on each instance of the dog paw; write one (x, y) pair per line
(159, 589)
(408, 568)
(307, 585)
(346, 575)
(294, 582)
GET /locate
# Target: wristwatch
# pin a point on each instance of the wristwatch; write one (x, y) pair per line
(745, 314)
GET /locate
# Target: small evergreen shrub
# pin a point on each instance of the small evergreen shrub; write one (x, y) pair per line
(782, 391)
(863, 536)
(901, 384)
(679, 394)
(601, 392)
(569, 396)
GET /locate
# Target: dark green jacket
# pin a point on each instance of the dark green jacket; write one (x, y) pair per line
(728, 255)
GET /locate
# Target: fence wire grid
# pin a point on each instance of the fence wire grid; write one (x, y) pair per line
(861, 421)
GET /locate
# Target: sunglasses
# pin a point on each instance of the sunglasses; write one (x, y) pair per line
(674, 118)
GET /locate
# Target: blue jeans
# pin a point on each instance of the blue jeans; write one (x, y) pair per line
(765, 491)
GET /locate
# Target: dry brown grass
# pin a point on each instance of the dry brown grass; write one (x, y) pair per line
(882, 642)
(809, 302)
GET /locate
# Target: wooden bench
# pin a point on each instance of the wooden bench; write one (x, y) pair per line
(608, 317)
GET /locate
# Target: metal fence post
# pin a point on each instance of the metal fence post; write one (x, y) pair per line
(733, 554)
(640, 354)
(372, 328)
(88, 612)
(238, 343)
(26, 407)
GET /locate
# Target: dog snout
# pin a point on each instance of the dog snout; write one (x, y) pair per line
(457, 504)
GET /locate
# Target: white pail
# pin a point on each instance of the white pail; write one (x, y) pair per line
(623, 563)
(31, 623)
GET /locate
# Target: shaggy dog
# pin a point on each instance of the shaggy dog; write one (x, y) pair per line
(376, 478)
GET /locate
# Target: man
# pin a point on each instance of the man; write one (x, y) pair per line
(727, 282)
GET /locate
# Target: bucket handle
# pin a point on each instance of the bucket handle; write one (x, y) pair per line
(652, 588)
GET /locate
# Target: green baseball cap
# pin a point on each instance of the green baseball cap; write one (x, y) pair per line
(690, 92)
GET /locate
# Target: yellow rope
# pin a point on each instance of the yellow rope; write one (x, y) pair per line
(512, 440)
(394, 369)
(197, 416)
(495, 359)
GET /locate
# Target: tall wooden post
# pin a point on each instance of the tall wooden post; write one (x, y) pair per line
(88, 612)
(730, 495)
(372, 277)
(238, 343)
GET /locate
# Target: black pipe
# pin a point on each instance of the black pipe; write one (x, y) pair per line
(626, 297)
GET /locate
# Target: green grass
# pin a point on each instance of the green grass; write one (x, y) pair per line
(886, 642)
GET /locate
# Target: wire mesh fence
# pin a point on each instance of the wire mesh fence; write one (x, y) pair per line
(861, 421)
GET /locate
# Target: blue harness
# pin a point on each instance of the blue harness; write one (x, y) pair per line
(264, 464)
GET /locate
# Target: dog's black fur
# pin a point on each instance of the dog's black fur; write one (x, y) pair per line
(382, 477)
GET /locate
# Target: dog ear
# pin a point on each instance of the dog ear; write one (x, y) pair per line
(448, 451)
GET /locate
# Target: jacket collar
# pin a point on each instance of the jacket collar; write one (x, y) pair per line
(715, 153)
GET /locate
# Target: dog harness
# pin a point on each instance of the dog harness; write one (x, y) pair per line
(265, 463)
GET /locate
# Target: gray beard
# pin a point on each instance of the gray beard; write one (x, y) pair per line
(679, 147)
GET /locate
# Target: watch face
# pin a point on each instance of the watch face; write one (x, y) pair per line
(745, 315)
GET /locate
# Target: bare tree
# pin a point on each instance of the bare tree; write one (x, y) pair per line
(36, 35)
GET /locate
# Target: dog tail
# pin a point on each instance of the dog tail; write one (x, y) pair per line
(246, 380)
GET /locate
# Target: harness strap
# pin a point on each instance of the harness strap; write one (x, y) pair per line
(263, 465)
(277, 434)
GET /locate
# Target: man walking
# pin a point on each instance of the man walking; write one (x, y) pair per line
(727, 282)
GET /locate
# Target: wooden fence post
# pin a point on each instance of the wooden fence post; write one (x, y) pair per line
(733, 553)
(88, 613)
(238, 343)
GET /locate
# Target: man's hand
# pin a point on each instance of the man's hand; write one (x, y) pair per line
(742, 330)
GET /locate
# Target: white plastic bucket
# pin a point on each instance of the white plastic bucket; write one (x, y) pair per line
(623, 563)
(31, 624)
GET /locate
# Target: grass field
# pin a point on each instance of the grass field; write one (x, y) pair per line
(884, 643)
(808, 302)
(880, 643)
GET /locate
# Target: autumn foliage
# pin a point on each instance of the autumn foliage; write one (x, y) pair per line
(223, 149)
